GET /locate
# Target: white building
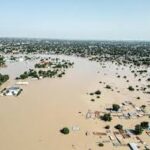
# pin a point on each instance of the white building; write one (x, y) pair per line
(12, 91)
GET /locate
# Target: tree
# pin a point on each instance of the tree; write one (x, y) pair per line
(138, 129)
(107, 127)
(98, 92)
(115, 107)
(65, 130)
(119, 127)
(143, 106)
(23, 76)
(100, 144)
(106, 117)
(108, 87)
(2, 61)
(144, 124)
(3, 78)
(131, 88)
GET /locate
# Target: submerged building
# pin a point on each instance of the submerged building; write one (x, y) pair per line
(12, 91)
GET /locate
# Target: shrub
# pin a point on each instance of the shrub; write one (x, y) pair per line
(2, 60)
(119, 127)
(98, 92)
(92, 100)
(23, 76)
(60, 75)
(148, 79)
(100, 144)
(106, 117)
(19, 92)
(131, 88)
(3, 78)
(115, 107)
(65, 130)
(107, 127)
(143, 106)
(108, 87)
(138, 129)
(124, 77)
(144, 124)
(91, 94)
(148, 86)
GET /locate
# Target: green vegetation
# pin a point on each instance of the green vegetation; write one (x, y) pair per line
(93, 100)
(106, 117)
(97, 92)
(2, 61)
(107, 127)
(145, 124)
(138, 129)
(19, 92)
(56, 69)
(31, 73)
(108, 87)
(124, 77)
(119, 127)
(143, 107)
(120, 52)
(65, 130)
(40, 65)
(148, 79)
(91, 94)
(130, 88)
(3, 78)
(115, 107)
(54, 63)
(100, 144)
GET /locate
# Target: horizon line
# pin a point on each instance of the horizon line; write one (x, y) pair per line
(75, 39)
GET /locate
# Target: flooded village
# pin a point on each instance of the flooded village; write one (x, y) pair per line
(79, 95)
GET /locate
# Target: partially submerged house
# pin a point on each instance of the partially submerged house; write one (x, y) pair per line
(12, 91)
(133, 146)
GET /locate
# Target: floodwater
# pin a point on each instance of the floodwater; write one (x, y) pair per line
(32, 120)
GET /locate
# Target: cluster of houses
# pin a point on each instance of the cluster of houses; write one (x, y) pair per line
(123, 137)
(129, 111)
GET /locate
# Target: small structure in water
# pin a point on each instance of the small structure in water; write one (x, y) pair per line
(133, 146)
(22, 83)
(12, 91)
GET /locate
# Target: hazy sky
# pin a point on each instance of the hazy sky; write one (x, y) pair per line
(76, 19)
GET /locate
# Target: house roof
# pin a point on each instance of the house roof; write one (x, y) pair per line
(133, 146)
